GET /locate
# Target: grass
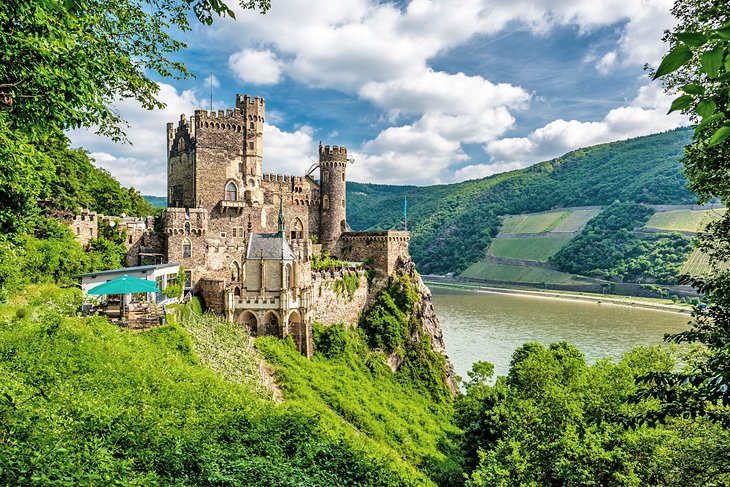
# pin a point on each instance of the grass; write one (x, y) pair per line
(531, 223)
(538, 249)
(683, 220)
(500, 272)
(576, 220)
(554, 221)
(357, 394)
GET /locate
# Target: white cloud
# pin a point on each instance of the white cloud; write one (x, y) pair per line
(257, 67)
(645, 115)
(211, 81)
(288, 152)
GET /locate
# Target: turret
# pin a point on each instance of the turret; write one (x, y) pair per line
(333, 215)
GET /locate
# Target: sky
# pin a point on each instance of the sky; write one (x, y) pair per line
(420, 92)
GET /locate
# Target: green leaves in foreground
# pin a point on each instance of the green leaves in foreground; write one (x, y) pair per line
(705, 57)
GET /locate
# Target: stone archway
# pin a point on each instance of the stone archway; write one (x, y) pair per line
(270, 325)
(248, 319)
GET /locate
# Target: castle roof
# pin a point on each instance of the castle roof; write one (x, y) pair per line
(269, 246)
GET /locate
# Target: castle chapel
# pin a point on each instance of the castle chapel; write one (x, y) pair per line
(246, 237)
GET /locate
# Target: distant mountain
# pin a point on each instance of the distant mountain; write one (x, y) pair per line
(452, 225)
(156, 201)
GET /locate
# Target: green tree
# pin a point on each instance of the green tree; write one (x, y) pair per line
(698, 67)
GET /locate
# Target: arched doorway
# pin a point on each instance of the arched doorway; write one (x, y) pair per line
(270, 325)
(248, 319)
(235, 272)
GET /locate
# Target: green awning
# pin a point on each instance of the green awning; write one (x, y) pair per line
(125, 285)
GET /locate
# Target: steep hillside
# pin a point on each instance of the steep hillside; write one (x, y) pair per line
(452, 225)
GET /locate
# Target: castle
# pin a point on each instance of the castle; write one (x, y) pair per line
(247, 238)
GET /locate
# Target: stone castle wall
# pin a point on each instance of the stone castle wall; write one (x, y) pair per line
(330, 307)
(385, 249)
(84, 226)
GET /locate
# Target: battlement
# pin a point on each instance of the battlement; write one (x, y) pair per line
(183, 125)
(282, 178)
(246, 100)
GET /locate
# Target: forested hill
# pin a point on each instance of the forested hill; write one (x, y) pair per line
(453, 224)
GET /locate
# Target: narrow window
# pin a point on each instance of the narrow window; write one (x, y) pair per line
(250, 125)
(343, 177)
(250, 145)
(325, 202)
(187, 228)
(325, 177)
(187, 250)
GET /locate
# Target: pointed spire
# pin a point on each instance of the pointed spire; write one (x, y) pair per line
(280, 229)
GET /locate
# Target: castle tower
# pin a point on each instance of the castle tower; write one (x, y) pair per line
(253, 137)
(333, 217)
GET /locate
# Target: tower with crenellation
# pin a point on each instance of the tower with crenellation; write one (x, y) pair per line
(333, 218)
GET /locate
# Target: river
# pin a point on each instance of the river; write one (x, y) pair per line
(488, 326)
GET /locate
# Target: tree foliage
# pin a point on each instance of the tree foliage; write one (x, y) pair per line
(698, 66)
(544, 424)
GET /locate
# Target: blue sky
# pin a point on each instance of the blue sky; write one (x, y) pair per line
(420, 92)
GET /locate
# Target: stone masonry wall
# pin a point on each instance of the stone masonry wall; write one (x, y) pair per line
(329, 307)
(384, 249)
(213, 293)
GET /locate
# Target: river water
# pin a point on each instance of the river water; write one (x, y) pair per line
(488, 326)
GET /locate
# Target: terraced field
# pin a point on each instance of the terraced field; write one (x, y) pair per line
(554, 221)
(538, 249)
(575, 220)
(698, 264)
(499, 272)
(533, 223)
(683, 220)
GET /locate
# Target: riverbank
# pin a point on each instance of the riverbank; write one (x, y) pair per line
(612, 300)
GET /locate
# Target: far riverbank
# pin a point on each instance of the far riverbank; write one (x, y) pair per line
(612, 300)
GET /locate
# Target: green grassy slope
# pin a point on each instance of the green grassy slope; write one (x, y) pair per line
(683, 220)
(85, 403)
(452, 225)
(538, 249)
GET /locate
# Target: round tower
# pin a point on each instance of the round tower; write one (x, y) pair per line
(333, 217)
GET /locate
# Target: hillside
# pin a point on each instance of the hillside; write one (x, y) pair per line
(452, 225)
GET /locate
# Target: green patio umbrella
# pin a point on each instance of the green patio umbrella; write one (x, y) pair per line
(125, 285)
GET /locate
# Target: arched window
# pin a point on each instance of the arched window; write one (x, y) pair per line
(187, 228)
(231, 191)
(297, 229)
(187, 248)
(325, 202)
(250, 125)
(235, 272)
(325, 177)
(181, 145)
